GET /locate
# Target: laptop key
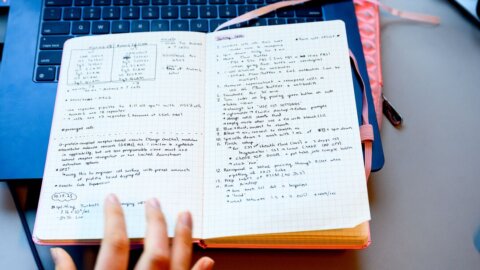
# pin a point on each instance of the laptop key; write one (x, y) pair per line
(82, 2)
(140, 26)
(150, 13)
(179, 2)
(215, 23)
(91, 13)
(190, 12)
(285, 12)
(101, 27)
(238, 25)
(58, 3)
(72, 13)
(169, 12)
(245, 9)
(52, 14)
(208, 12)
(308, 11)
(111, 13)
(160, 2)
(120, 27)
(160, 25)
(255, 1)
(198, 2)
(180, 25)
(56, 28)
(296, 20)
(141, 2)
(81, 28)
(130, 13)
(258, 22)
(199, 25)
(276, 21)
(227, 11)
(217, 2)
(102, 2)
(45, 74)
(121, 2)
(236, 2)
(53, 43)
(49, 57)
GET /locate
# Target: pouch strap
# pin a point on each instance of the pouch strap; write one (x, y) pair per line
(408, 15)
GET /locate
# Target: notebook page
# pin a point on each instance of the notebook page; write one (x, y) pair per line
(128, 120)
(282, 143)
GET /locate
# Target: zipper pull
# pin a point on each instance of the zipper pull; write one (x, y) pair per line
(392, 115)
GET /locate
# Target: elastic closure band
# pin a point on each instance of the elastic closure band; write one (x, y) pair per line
(366, 132)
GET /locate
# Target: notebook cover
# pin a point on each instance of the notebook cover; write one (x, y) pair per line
(345, 11)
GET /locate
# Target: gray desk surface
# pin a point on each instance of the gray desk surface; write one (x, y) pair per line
(425, 203)
(14, 249)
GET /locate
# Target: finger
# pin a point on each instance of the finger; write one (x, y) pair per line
(62, 260)
(204, 263)
(156, 253)
(182, 243)
(115, 244)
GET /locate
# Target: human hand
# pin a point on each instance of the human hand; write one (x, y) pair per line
(157, 253)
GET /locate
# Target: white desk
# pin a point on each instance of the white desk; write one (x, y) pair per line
(425, 203)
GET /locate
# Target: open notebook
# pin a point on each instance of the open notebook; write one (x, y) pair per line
(253, 130)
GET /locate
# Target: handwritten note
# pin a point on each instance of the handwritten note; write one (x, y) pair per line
(128, 120)
(282, 137)
(252, 130)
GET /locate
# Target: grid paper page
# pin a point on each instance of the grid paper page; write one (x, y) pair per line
(128, 120)
(282, 149)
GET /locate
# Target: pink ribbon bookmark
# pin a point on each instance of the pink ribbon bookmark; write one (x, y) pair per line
(272, 7)
(259, 12)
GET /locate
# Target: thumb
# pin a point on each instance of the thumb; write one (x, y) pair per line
(62, 260)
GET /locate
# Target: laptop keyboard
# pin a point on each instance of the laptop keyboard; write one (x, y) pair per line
(64, 19)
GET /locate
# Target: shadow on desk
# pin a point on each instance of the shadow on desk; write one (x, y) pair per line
(26, 198)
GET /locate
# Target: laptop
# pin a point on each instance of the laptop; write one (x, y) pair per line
(37, 29)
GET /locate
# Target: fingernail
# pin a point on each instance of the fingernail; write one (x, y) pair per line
(53, 252)
(208, 264)
(186, 219)
(153, 202)
(113, 199)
